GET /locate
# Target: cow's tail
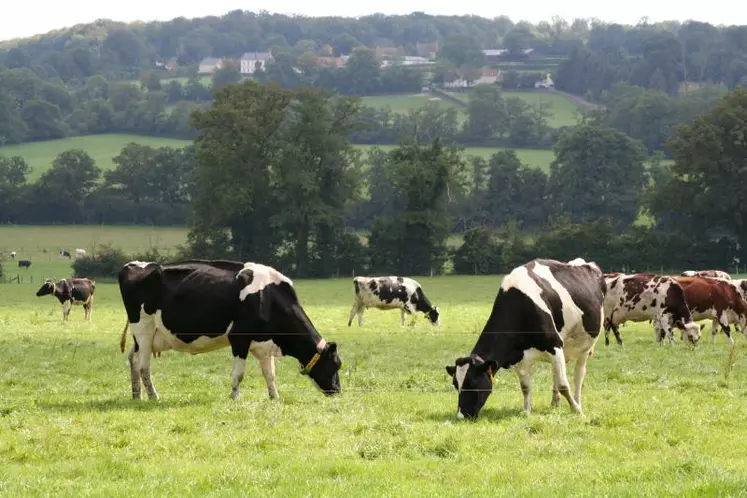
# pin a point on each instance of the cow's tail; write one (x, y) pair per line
(123, 339)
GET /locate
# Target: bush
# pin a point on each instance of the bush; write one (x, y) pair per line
(105, 262)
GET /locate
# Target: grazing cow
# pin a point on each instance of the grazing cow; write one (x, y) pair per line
(643, 297)
(24, 263)
(707, 273)
(69, 292)
(387, 293)
(79, 253)
(717, 300)
(199, 306)
(13, 254)
(65, 254)
(545, 310)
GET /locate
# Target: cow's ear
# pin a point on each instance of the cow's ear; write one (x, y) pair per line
(488, 366)
(451, 370)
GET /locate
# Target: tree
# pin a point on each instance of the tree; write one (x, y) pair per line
(229, 72)
(702, 194)
(61, 192)
(13, 173)
(414, 241)
(362, 72)
(150, 81)
(597, 172)
(487, 114)
(461, 50)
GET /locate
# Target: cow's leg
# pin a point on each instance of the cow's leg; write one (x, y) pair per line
(66, 310)
(616, 331)
(524, 372)
(579, 375)
(144, 332)
(555, 402)
(237, 375)
(559, 373)
(267, 364)
(361, 309)
(88, 307)
(353, 312)
(402, 315)
(132, 358)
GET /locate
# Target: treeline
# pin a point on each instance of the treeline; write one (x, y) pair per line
(289, 184)
(148, 186)
(121, 51)
(656, 56)
(32, 109)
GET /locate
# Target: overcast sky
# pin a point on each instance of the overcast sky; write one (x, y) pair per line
(25, 18)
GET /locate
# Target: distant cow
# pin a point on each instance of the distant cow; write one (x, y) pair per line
(13, 254)
(544, 310)
(707, 273)
(201, 306)
(71, 291)
(387, 293)
(24, 263)
(65, 254)
(717, 300)
(643, 297)
(80, 253)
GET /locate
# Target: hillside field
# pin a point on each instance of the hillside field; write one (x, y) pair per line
(660, 420)
(405, 103)
(103, 148)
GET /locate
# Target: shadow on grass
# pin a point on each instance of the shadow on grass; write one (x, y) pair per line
(114, 405)
(491, 414)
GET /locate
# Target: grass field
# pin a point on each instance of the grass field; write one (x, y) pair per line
(405, 103)
(537, 158)
(563, 111)
(661, 421)
(42, 244)
(102, 148)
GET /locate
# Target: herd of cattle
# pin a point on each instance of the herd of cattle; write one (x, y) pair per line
(544, 310)
(25, 263)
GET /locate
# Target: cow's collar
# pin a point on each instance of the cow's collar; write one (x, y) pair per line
(314, 359)
(491, 374)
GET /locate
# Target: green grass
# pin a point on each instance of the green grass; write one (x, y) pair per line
(102, 148)
(42, 244)
(536, 158)
(405, 103)
(563, 111)
(660, 420)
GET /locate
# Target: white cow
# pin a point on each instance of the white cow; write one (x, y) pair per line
(386, 293)
(79, 253)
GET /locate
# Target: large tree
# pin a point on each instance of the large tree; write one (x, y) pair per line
(597, 172)
(702, 193)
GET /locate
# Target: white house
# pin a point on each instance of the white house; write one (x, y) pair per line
(209, 65)
(250, 61)
(546, 83)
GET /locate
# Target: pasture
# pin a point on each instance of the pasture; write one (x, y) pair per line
(405, 103)
(660, 420)
(102, 148)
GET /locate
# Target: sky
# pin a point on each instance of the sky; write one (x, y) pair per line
(26, 18)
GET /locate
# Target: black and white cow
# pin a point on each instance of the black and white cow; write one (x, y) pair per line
(200, 306)
(69, 292)
(544, 310)
(13, 254)
(65, 254)
(24, 263)
(386, 293)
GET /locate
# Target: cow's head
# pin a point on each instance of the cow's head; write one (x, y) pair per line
(46, 288)
(324, 370)
(473, 379)
(690, 331)
(434, 316)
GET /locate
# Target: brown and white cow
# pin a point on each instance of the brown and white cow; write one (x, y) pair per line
(643, 297)
(717, 300)
(71, 291)
(707, 273)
